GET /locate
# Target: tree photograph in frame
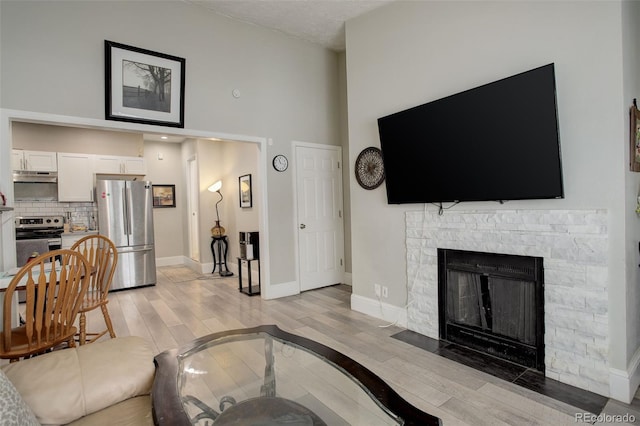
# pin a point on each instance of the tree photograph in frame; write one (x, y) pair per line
(246, 198)
(164, 195)
(143, 86)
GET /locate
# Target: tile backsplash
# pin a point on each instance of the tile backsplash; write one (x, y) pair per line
(81, 213)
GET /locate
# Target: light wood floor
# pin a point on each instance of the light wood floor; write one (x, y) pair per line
(184, 305)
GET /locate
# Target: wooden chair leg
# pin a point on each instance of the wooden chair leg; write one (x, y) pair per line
(83, 328)
(107, 320)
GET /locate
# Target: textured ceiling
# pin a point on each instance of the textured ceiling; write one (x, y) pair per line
(317, 21)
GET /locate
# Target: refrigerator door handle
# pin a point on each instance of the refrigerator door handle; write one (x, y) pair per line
(124, 250)
(129, 204)
(124, 211)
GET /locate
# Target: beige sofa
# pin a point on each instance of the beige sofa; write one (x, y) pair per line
(104, 383)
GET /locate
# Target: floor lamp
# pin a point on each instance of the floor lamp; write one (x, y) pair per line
(219, 239)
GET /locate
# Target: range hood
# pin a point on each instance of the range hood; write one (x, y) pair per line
(28, 176)
(35, 186)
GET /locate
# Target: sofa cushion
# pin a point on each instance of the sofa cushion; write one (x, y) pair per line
(64, 385)
(51, 385)
(115, 370)
(14, 411)
(132, 412)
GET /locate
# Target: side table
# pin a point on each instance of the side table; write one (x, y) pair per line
(250, 290)
(220, 243)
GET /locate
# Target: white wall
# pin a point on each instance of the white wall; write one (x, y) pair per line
(288, 87)
(240, 159)
(409, 53)
(630, 299)
(168, 223)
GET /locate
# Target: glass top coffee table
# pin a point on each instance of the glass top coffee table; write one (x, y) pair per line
(265, 376)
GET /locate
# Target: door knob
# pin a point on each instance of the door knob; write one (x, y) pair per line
(302, 226)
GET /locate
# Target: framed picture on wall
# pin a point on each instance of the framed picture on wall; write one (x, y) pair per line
(142, 86)
(164, 195)
(246, 197)
(634, 130)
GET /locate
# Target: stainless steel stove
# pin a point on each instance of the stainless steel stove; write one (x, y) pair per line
(37, 234)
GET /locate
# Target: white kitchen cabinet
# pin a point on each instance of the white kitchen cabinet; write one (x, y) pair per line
(116, 165)
(75, 177)
(37, 161)
(17, 159)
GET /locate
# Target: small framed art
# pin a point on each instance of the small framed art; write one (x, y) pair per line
(246, 197)
(142, 86)
(164, 195)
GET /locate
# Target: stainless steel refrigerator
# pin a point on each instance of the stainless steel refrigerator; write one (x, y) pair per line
(125, 216)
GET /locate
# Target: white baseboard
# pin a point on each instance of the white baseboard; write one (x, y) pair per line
(170, 261)
(276, 291)
(377, 309)
(624, 384)
(201, 268)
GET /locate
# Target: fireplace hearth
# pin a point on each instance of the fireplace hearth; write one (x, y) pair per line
(493, 303)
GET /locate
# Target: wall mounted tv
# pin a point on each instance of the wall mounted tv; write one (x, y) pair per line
(496, 142)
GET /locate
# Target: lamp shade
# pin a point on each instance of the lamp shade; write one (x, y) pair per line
(217, 186)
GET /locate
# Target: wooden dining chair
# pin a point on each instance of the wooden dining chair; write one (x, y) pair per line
(103, 257)
(54, 294)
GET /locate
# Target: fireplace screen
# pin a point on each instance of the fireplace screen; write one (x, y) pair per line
(493, 303)
(499, 305)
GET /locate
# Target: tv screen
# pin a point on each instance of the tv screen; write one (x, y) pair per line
(497, 142)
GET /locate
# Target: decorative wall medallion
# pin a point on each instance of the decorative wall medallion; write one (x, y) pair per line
(369, 168)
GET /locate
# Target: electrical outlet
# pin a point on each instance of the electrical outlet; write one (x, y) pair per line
(376, 289)
(385, 292)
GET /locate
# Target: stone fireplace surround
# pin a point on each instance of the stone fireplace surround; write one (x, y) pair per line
(574, 245)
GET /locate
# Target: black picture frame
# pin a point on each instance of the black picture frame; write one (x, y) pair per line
(244, 191)
(136, 83)
(164, 196)
(634, 133)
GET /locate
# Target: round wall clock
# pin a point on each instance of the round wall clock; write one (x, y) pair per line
(369, 168)
(280, 163)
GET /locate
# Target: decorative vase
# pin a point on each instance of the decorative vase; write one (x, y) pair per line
(218, 230)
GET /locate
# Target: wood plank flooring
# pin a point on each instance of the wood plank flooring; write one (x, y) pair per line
(184, 306)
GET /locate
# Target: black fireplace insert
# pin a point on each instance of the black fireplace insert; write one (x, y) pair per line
(493, 303)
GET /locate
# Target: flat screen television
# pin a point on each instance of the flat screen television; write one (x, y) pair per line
(495, 142)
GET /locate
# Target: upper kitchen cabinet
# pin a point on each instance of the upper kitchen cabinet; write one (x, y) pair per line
(75, 177)
(115, 165)
(37, 161)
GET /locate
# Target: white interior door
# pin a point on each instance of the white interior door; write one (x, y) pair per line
(192, 202)
(320, 221)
